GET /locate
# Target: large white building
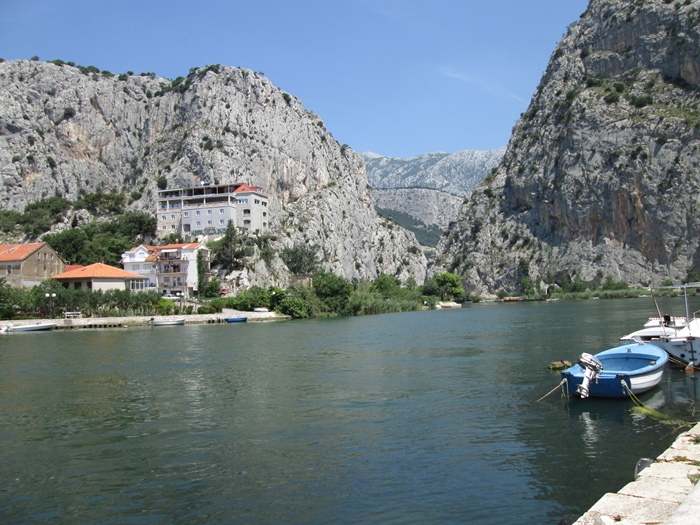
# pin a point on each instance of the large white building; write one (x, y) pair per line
(171, 269)
(200, 211)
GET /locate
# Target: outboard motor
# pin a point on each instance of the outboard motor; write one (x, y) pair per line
(592, 367)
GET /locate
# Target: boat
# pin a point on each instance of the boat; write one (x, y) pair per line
(33, 327)
(166, 322)
(631, 368)
(678, 336)
(235, 319)
(261, 309)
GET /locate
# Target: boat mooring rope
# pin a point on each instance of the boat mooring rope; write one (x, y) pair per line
(563, 390)
(642, 409)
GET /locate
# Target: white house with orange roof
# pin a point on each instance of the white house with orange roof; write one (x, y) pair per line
(171, 269)
(203, 211)
(26, 265)
(100, 276)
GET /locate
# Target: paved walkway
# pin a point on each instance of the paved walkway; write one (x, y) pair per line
(663, 493)
(123, 322)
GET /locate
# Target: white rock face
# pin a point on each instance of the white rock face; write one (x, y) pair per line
(66, 130)
(601, 177)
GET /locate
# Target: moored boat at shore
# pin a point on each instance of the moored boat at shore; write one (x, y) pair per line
(166, 322)
(617, 372)
(33, 327)
(678, 336)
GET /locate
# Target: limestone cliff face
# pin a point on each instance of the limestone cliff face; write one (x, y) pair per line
(431, 207)
(67, 130)
(602, 174)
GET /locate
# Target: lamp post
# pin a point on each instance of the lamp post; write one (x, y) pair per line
(180, 295)
(51, 297)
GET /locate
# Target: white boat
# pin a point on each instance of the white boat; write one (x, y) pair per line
(33, 327)
(677, 335)
(166, 322)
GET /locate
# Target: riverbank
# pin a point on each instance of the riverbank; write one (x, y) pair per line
(663, 493)
(125, 322)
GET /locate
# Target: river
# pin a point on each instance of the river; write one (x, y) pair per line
(421, 417)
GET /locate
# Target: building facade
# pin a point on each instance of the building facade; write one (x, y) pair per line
(26, 265)
(100, 276)
(202, 211)
(171, 269)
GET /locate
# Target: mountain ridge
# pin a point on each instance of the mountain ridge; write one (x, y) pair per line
(68, 130)
(601, 176)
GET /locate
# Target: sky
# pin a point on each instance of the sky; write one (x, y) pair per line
(395, 77)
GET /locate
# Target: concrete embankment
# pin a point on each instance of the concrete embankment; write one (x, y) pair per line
(125, 322)
(663, 493)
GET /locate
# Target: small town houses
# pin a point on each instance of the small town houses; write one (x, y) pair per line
(171, 269)
(26, 265)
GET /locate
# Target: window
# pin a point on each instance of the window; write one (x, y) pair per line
(198, 213)
(221, 211)
(163, 217)
(209, 223)
(9, 269)
(209, 212)
(222, 222)
(172, 216)
(257, 201)
(185, 214)
(199, 223)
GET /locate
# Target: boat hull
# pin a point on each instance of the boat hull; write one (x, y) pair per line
(236, 319)
(628, 368)
(35, 327)
(169, 322)
(681, 344)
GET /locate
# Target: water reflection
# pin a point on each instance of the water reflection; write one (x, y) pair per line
(411, 418)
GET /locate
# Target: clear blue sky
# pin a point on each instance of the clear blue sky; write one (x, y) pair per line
(397, 77)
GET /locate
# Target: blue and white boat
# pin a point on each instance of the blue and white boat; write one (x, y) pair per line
(617, 372)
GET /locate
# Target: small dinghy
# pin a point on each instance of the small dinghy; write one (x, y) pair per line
(617, 372)
(166, 322)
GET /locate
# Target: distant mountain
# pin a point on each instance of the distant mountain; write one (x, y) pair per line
(457, 173)
(424, 193)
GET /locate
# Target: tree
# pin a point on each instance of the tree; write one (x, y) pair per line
(449, 285)
(232, 249)
(202, 275)
(301, 258)
(332, 290)
(386, 285)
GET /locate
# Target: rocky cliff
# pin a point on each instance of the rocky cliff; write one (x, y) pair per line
(601, 176)
(67, 130)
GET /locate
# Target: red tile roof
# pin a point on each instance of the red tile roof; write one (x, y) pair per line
(98, 271)
(18, 252)
(154, 251)
(245, 187)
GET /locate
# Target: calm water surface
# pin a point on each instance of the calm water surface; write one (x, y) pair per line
(425, 417)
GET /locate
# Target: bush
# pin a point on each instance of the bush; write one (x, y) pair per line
(295, 307)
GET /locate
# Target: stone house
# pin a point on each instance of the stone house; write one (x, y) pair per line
(26, 265)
